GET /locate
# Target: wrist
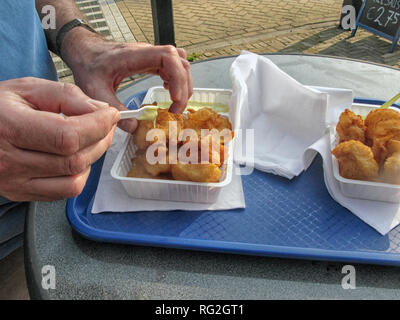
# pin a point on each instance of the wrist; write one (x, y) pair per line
(80, 46)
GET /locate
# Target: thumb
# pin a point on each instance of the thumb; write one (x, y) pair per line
(109, 96)
(56, 97)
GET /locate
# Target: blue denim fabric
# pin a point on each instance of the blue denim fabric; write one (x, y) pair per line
(12, 220)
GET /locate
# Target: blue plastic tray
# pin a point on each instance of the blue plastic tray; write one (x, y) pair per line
(296, 219)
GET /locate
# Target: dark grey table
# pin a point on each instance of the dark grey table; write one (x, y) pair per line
(90, 270)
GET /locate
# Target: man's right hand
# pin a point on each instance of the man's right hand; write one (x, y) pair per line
(43, 155)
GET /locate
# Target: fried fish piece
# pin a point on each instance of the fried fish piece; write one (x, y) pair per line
(210, 149)
(356, 161)
(163, 120)
(156, 168)
(351, 127)
(138, 171)
(212, 144)
(196, 172)
(381, 123)
(393, 146)
(391, 167)
(380, 148)
(139, 136)
(206, 118)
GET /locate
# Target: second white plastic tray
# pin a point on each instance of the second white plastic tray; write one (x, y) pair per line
(368, 190)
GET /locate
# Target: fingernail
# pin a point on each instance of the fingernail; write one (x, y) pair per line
(128, 125)
(98, 104)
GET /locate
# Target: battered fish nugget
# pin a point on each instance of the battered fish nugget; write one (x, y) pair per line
(214, 147)
(163, 119)
(382, 123)
(393, 146)
(356, 161)
(153, 169)
(209, 149)
(139, 136)
(391, 167)
(380, 148)
(351, 127)
(196, 172)
(138, 171)
(161, 122)
(206, 118)
(210, 145)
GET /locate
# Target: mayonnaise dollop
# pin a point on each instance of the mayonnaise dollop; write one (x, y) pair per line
(151, 112)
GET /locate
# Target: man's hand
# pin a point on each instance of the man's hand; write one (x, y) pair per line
(99, 65)
(99, 69)
(44, 155)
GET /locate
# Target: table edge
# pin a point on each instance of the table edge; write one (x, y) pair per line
(30, 258)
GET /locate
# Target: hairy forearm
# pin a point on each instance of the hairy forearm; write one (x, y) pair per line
(65, 10)
(77, 40)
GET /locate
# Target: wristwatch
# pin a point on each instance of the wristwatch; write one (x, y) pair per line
(68, 27)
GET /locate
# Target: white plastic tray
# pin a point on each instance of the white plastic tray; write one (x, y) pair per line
(378, 191)
(172, 190)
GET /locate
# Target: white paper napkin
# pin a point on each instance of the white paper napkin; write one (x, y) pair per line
(382, 216)
(287, 117)
(112, 197)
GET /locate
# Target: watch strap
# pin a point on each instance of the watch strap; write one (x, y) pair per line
(68, 27)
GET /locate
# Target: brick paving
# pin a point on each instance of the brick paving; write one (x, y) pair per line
(212, 28)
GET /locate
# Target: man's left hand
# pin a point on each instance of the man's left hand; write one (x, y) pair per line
(99, 69)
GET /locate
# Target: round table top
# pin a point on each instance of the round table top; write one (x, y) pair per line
(90, 270)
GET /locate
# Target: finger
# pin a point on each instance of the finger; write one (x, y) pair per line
(182, 53)
(177, 84)
(55, 134)
(47, 189)
(57, 97)
(41, 165)
(162, 60)
(108, 95)
(186, 65)
(154, 59)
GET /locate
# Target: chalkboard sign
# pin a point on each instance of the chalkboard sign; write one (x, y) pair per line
(381, 17)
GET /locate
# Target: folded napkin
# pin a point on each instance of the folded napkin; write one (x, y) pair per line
(287, 117)
(382, 216)
(112, 197)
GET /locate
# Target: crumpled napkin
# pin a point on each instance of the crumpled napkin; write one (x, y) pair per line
(382, 216)
(287, 117)
(290, 123)
(112, 197)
